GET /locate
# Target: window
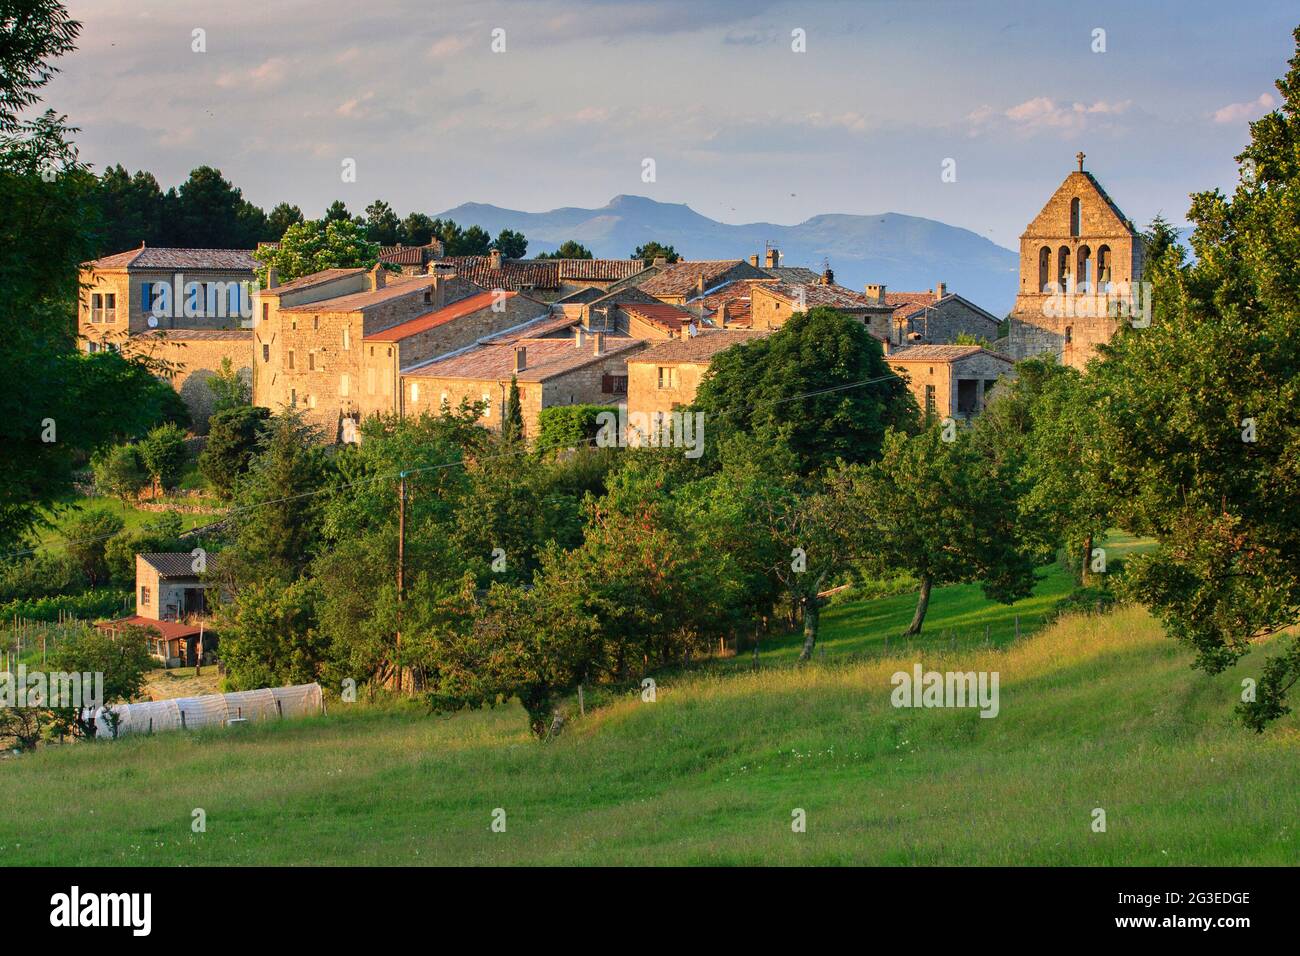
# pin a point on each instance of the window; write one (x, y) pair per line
(1074, 217)
(487, 405)
(97, 307)
(146, 297)
(266, 311)
(929, 400)
(415, 391)
(266, 353)
(1044, 268)
(293, 322)
(311, 361)
(315, 322)
(343, 385)
(290, 358)
(613, 384)
(293, 396)
(311, 401)
(667, 376)
(1069, 334)
(144, 595)
(347, 339)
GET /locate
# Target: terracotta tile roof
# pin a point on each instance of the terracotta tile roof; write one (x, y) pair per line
(939, 353)
(395, 286)
(908, 303)
(196, 260)
(400, 255)
(815, 294)
(792, 273)
(312, 279)
(662, 314)
(544, 359)
(167, 629)
(541, 327)
(737, 296)
(599, 269)
(198, 335)
(514, 274)
(683, 278)
(698, 349)
(431, 320)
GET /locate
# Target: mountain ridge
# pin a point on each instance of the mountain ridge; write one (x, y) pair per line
(906, 253)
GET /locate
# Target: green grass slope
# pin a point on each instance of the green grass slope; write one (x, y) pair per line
(1095, 712)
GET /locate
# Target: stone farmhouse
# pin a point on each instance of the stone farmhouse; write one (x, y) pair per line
(936, 317)
(188, 309)
(171, 604)
(667, 375)
(1078, 257)
(950, 381)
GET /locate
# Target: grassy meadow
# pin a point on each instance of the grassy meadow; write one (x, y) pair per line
(1096, 711)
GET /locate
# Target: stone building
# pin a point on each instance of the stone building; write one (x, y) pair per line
(581, 369)
(1079, 258)
(949, 381)
(171, 604)
(934, 317)
(772, 304)
(547, 280)
(335, 343)
(183, 305)
(683, 281)
(667, 375)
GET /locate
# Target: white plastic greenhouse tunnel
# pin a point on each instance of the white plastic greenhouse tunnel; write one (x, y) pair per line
(211, 710)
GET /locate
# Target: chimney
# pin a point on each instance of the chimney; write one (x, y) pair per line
(577, 337)
(599, 348)
(753, 260)
(272, 277)
(773, 258)
(699, 284)
(435, 294)
(494, 259)
(521, 358)
(722, 313)
(377, 278)
(828, 277)
(660, 262)
(876, 292)
(940, 290)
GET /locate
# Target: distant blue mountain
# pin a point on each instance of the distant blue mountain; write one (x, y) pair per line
(907, 253)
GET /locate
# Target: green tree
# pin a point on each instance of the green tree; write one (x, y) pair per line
(269, 636)
(316, 245)
(382, 224)
(164, 455)
(651, 251)
(120, 471)
(229, 388)
(337, 211)
(819, 386)
(124, 660)
(512, 244)
(161, 534)
(281, 218)
(131, 209)
(275, 518)
(417, 229)
(233, 436)
(569, 249)
(474, 241)
(211, 212)
(86, 540)
(930, 507)
(1197, 419)
(512, 422)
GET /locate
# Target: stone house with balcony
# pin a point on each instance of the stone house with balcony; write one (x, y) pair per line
(186, 307)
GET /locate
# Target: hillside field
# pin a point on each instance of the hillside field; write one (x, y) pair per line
(1098, 711)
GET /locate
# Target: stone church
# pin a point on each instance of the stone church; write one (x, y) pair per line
(1080, 261)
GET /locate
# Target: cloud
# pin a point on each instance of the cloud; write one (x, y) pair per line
(265, 75)
(448, 46)
(1042, 113)
(1240, 112)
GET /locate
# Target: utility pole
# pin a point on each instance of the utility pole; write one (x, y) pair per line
(401, 571)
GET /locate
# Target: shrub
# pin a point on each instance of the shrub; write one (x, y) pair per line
(120, 472)
(87, 540)
(164, 455)
(232, 440)
(562, 426)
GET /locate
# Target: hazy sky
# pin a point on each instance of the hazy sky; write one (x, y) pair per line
(740, 126)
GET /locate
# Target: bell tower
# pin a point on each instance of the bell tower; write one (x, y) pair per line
(1078, 255)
